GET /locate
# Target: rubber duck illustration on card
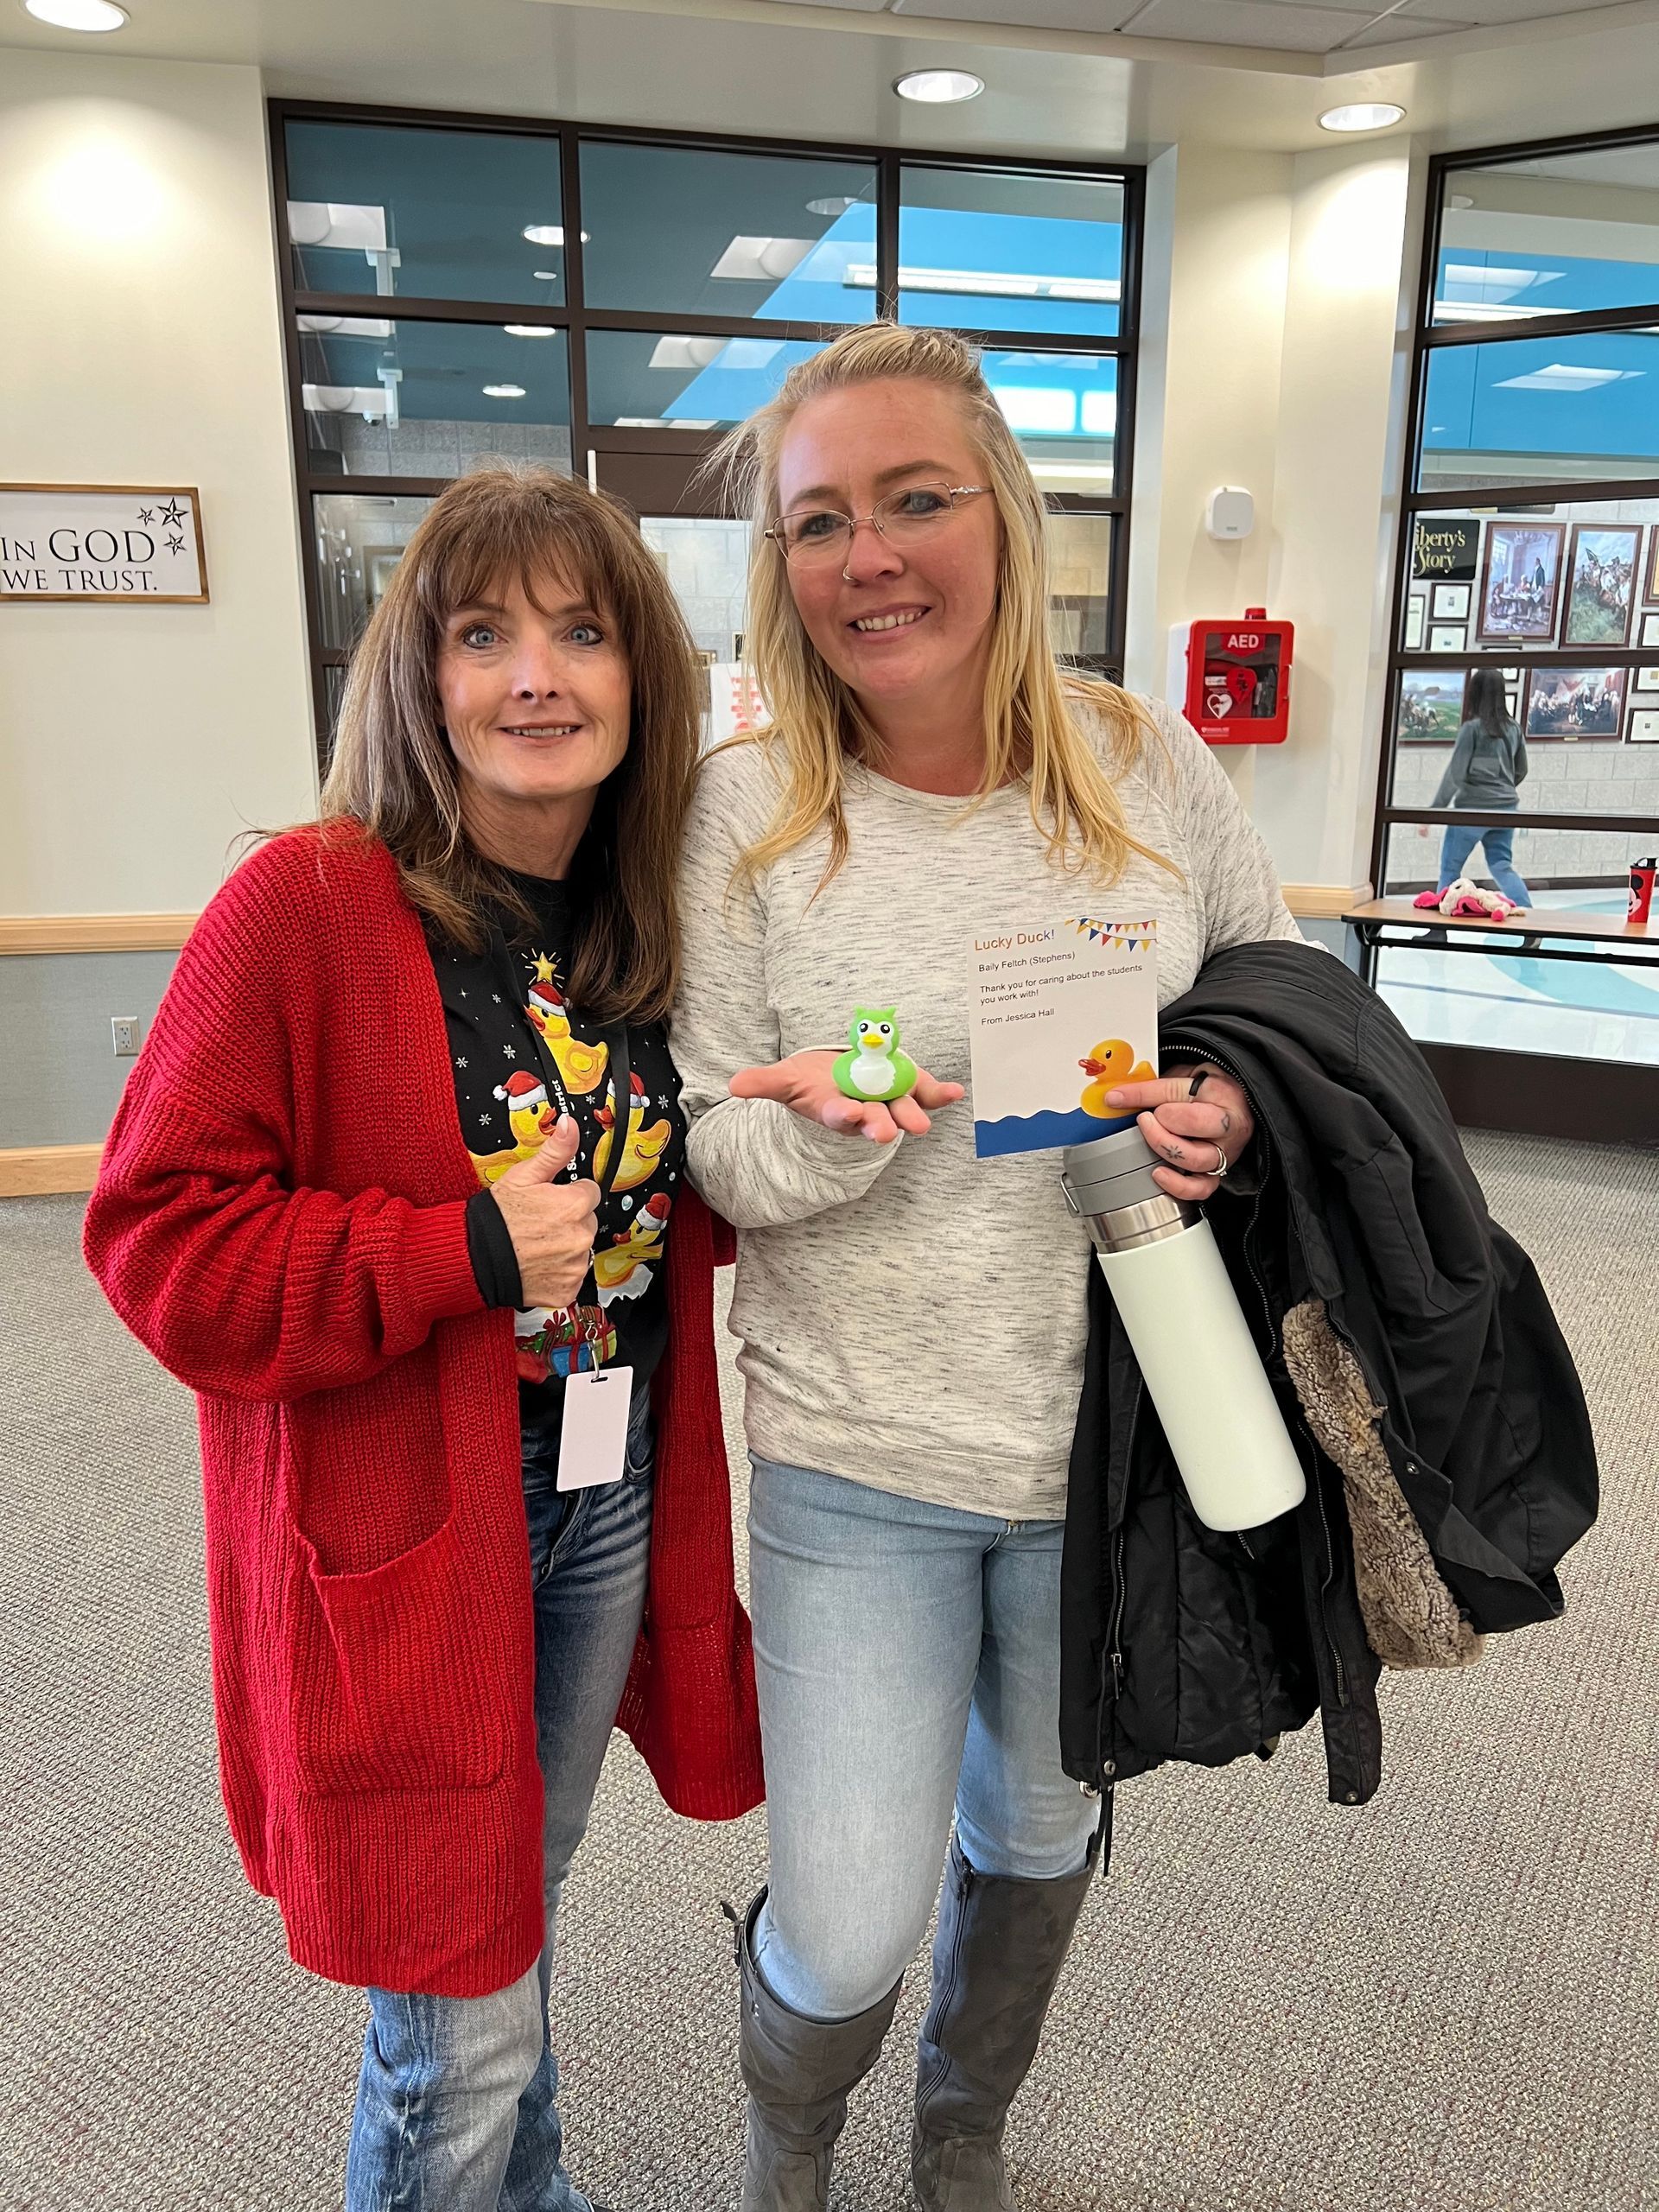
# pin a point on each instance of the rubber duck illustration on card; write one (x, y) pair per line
(1109, 1064)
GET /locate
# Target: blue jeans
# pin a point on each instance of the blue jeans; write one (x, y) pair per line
(908, 1659)
(1460, 841)
(457, 2104)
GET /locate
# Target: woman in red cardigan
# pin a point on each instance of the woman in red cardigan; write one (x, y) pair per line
(397, 1188)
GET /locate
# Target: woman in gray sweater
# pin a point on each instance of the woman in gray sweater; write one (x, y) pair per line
(913, 1318)
(1488, 764)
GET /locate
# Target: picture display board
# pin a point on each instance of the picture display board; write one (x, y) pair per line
(137, 543)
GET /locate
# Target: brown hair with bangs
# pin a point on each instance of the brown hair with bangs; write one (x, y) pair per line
(393, 772)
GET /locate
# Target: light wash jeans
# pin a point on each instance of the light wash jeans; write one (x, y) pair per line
(1458, 843)
(457, 2101)
(908, 1659)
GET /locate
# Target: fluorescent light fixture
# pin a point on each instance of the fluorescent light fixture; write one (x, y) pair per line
(756, 259)
(984, 283)
(938, 87)
(345, 326)
(341, 223)
(1561, 376)
(662, 423)
(1100, 415)
(527, 330)
(686, 352)
(78, 14)
(369, 400)
(548, 234)
(1361, 115)
(1484, 311)
(1497, 282)
(503, 391)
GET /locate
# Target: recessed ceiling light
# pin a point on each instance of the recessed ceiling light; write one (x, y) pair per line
(936, 87)
(526, 330)
(836, 204)
(1461, 199)
(547, 234)
(503, 391)
(1362, 115)
(545, 276)
(78, 14)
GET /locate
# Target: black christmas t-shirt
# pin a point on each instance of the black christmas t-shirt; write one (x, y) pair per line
(508, 1107)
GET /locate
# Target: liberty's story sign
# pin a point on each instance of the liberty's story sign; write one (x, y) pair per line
(102, 542)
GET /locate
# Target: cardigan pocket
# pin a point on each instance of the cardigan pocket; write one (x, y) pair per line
(407, 1685)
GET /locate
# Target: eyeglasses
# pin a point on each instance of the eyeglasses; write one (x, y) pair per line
(813, 534)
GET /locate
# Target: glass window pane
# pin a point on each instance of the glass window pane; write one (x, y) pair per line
(431, 213)
(1079, 584)
(1536, 410)
(1063, 408)
(1555, 234)
(683, 230)
(431, 398)
(1574, 575)
(658, 380)
(1592, 737)
(1508, 998)
(991, 250)
(358, 539)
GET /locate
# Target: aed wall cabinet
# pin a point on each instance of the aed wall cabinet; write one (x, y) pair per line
(1232, 676)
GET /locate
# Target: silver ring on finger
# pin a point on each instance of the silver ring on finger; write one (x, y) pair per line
(1222, 1162)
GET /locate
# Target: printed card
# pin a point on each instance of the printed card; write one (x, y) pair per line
(1059, 1013)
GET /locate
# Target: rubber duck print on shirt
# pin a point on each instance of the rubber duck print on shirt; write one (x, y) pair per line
(580, 1066)
(530, 1117)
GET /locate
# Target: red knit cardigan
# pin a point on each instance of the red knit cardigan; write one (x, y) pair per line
(280, 1218)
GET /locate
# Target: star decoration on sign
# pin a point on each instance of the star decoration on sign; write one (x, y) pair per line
(146, 514)
(173, 514)
(175, 545)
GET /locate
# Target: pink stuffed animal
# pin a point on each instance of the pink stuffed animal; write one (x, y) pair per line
(1465, 900)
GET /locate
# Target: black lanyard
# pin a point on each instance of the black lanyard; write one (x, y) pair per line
(614, 1036)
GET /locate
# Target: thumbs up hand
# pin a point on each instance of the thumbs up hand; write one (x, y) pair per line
(551, 1224)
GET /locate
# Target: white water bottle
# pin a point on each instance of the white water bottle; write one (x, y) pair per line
(1193, 1345)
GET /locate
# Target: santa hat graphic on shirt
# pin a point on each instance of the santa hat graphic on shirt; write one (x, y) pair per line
(523, 1092)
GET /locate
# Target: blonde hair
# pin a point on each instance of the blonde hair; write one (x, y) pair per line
(1030, 733)
(394, 774)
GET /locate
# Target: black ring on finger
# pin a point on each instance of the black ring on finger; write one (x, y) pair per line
(1192, 1088)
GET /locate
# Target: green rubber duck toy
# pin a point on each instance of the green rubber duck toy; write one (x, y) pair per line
(874, 1069)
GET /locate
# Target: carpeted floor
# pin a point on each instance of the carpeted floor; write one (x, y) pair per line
(1446, 2002)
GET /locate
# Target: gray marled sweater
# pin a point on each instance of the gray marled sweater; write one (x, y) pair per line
(911, 1317)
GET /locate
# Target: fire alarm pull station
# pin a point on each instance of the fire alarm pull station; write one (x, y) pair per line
(1236, 685)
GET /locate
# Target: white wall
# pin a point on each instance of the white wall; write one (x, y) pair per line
(141, 344)
(1274, 361)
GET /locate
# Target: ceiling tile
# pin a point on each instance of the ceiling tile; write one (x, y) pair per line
(1096, 16)
(1395, 29)
(1300, 28)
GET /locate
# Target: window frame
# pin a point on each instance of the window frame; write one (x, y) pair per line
(666, 461)
(1469, 1074)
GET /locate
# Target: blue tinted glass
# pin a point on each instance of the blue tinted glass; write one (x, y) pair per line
(990, 250)
(1533, 410)
(1063, 408)
(685, 232)
(1560, 234)
(431, 214)
(431, 398)
(658, 380)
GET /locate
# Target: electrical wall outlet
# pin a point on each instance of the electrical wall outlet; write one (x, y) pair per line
(124, 1027)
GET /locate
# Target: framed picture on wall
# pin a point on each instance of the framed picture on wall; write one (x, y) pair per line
(1448, 640)
(1431, 706)
(1575, 703)
(1647, 679)
(1417, 615)
(1446, 548)
(1451, 602)
(1644, 725)
(1650, 624)
(1521, 583)
(1650, 588)
(1601, 595)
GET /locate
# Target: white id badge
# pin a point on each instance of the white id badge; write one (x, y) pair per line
(594, 1441)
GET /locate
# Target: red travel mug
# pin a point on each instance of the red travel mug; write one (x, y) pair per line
(1642, 875)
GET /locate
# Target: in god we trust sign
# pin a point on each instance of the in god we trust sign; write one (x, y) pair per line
(102, 542)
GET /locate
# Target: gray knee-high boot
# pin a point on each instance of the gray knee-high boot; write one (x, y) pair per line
(996, 1958)
(799, 2073)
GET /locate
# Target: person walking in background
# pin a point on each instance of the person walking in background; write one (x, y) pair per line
(334, 1202)
(1487, 767)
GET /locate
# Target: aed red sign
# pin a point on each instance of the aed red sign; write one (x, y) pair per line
(1238, 680)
